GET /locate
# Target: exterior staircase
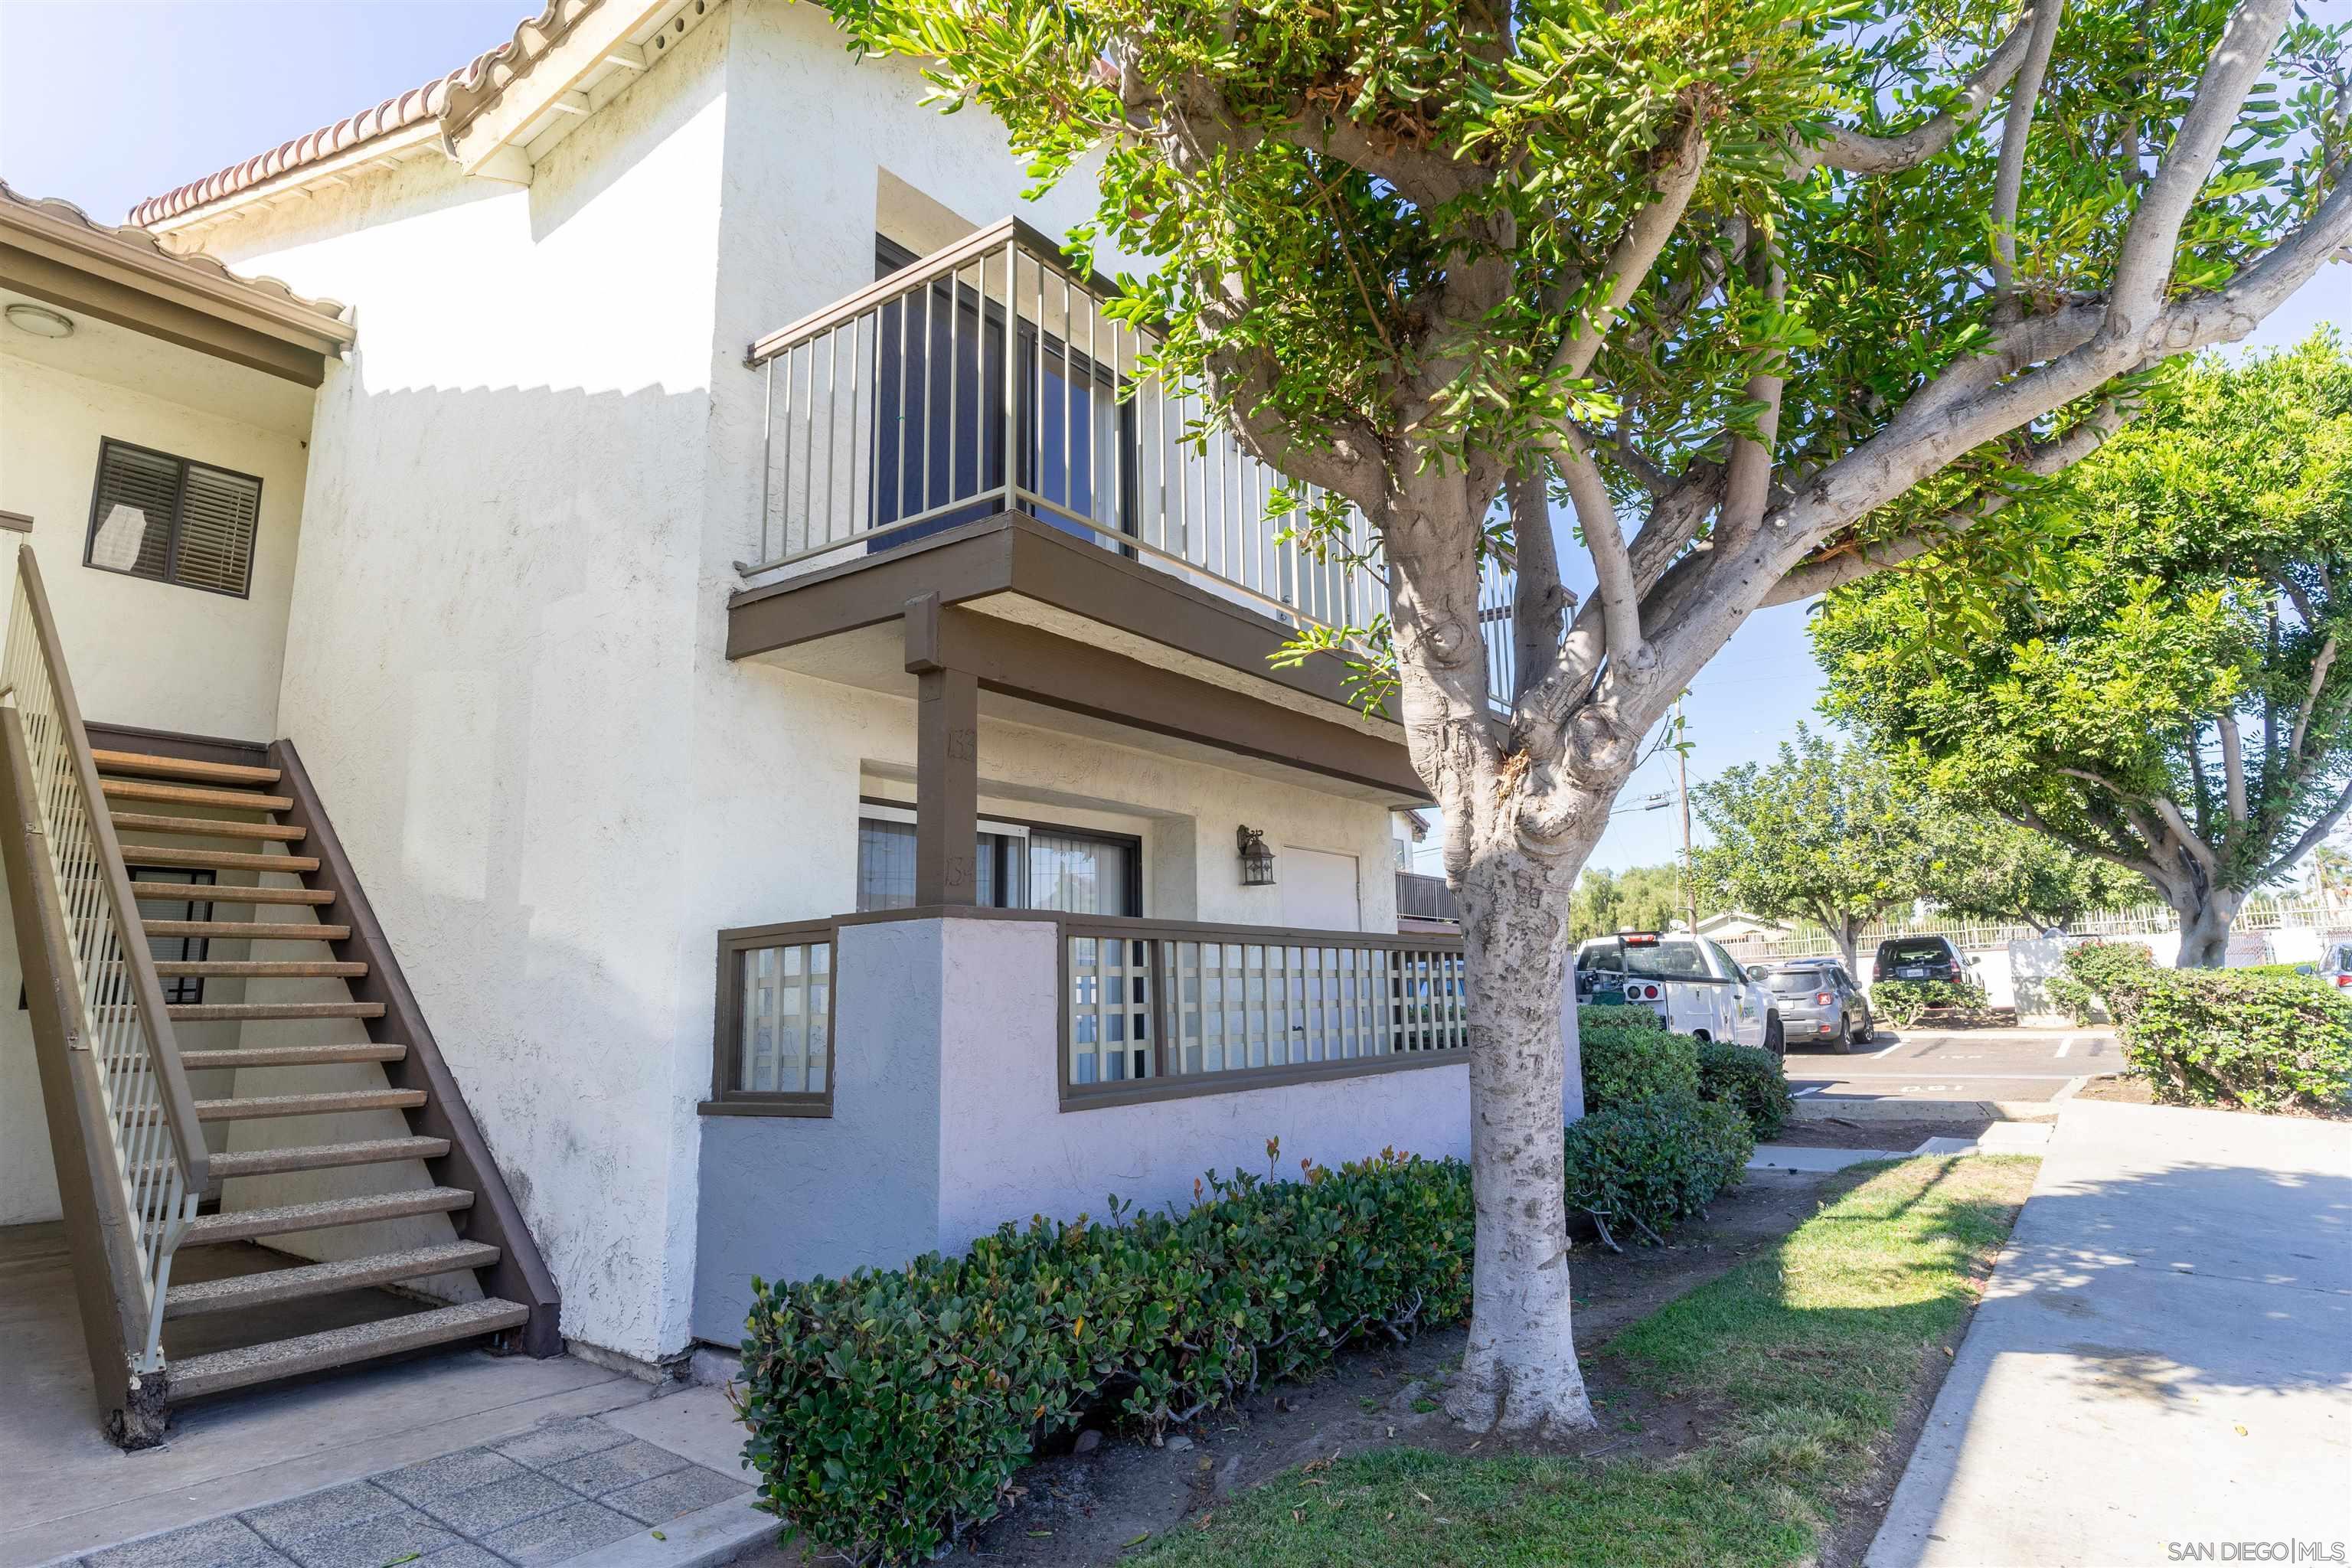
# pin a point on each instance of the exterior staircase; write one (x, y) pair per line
(125, 850)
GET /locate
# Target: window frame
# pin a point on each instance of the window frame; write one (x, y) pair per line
(872, 808)
(182, 990)
(728, 1097)
(170, 575)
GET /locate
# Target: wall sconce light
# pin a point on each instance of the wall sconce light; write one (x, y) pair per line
(1257, 860)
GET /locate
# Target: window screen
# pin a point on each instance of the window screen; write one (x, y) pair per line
(172, 519)
(177, 988)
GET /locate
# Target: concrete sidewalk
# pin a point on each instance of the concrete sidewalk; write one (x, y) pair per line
(2161, 1367)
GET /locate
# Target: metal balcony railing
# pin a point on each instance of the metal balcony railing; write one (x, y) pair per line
(989, 377)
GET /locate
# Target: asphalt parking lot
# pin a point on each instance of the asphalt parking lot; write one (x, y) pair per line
(1956, 1064)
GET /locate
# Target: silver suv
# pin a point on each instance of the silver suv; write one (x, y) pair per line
(1819, 1001)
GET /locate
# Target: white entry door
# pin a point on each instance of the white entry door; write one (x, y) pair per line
(1318, 890)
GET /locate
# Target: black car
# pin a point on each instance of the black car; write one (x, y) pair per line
(1918, 958)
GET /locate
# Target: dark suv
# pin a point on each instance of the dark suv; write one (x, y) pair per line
(1918, 958)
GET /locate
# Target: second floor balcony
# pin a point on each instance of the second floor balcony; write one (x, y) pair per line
(989, 378)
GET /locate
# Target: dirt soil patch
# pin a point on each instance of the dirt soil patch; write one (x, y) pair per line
(2128, 1090)
(1901, 1137)
(1089, 1508)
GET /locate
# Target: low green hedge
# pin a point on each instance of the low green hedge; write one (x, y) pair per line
(889, 1410)
(2230, 1036)
(1752, 1081)
(1645, 1166)
(1902, 1002)
(1629, 1057)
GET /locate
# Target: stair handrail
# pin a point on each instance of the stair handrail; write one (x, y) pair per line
(114, 999)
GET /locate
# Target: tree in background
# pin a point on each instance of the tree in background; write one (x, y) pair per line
(2169, 695)
(1643, 898)
(1758, 274)
(1828, 833)
(1983, 867)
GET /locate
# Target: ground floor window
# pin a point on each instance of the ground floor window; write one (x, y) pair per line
(1022, 865)
(178, 989)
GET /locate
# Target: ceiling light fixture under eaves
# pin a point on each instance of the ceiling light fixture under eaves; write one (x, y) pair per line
(39, 320)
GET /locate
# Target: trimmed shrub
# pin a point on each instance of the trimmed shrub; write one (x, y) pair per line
(889, 1410)
(1644, 1167)
(1752, 1081)
(1903, 1002)
(2228, 1037)
(2108, 973)
(1626, 1060)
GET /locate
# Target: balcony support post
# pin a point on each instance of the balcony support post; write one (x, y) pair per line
(946, 764)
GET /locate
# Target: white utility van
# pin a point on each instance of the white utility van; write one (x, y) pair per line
(1696, 986)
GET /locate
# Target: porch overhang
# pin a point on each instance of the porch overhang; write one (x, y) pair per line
(1047, 623)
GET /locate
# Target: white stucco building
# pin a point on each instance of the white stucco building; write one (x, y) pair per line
(782, 724)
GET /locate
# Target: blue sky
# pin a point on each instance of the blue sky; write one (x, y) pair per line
(195, 85)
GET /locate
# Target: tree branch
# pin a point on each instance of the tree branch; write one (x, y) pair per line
(1747, 476)
(2233, 767)
(2144, 263)
(1857, 153)
(1635, 252)
(2046, 458)
(1612, 568)
(2319, 669)
(2319, 829)
(1349, 463)
(1539, 604)
(2016, 130)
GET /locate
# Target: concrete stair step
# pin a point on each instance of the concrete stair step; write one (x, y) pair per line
(150, 766)
(293, 1056)
(198, 1375)
(251, 930)
(244, 1225)
(229, 893)
(275, 1285)
(207, 827)
(213, 860)
(254, 1107)
(219, 1012)
(193, 795)
(328, 1156)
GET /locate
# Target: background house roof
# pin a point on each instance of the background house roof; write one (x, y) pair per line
(451, 101)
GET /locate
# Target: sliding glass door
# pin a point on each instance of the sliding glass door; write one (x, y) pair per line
(1022, 866)
(938, 418)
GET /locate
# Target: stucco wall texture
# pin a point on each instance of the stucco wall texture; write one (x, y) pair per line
(946, 1121)
(527, 490)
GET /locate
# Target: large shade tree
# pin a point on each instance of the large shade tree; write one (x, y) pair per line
(1641, 898)
(1828, 833)
(1985, 867)
(2171, 694)
(1769, 290)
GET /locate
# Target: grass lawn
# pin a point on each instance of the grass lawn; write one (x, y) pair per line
(1799, 1362)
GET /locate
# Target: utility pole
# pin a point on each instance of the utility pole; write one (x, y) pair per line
(1690, 866)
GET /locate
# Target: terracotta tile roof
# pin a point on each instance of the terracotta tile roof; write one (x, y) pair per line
(142, 250)
(451, 101)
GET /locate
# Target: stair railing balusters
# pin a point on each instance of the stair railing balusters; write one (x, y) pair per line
(114, 999)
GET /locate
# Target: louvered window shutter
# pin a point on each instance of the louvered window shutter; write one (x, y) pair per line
(177, 520)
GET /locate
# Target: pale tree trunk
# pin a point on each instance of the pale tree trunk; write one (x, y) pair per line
(1519, 1371)
(1845, 930)
(2206, 915)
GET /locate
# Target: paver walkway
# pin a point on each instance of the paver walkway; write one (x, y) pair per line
(2161, 1368)
(562, 1489)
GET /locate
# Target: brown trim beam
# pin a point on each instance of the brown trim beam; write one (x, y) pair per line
(1014, 553)
(1020, 662)
(947, 757)
(70, 288)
